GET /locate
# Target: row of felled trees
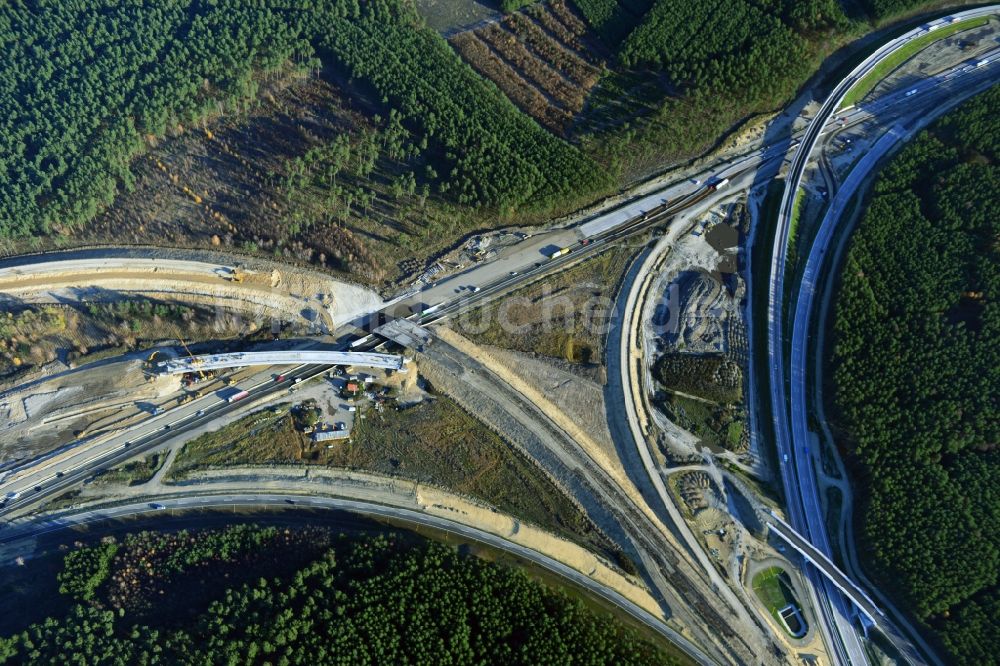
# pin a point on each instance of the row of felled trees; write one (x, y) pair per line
(81, 84)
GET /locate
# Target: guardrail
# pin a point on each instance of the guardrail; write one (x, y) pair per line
(812, 525)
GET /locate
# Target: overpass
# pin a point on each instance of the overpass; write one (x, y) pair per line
(786, 380)
(826, 567)
(242, 359)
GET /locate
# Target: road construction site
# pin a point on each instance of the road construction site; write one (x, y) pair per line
(658, 491)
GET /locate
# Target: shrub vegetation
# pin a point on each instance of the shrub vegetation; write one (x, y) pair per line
(375, 600)
(917, 368)
(84, 85)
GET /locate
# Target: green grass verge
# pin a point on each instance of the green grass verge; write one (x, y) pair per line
(793, 226)
(733, 433)
(774, 590)
(884, 68)
(132, 473)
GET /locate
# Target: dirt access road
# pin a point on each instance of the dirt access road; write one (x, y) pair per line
(300, 297)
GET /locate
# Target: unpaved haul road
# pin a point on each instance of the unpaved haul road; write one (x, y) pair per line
(309, 299)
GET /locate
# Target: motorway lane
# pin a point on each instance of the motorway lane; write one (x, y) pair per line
(33, 528)
(493, 277)
(118, 447)
(803, 460)
(517, 264)
(940, 98)
(631, 433)
(522, 259)
(153, 433)
(804, 513)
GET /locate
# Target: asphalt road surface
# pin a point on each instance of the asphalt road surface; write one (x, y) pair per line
(797, 476)
(34, 528)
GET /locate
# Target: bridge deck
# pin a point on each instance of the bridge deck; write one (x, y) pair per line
(240, 359)
(826, 567)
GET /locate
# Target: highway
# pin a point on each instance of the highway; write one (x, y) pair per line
(516, 266)
(820, 559)
(805, 508)
(192, 500)
(940, 101)
(634, 436)
(31, 485)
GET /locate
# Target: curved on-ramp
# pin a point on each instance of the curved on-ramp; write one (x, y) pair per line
(805, 510)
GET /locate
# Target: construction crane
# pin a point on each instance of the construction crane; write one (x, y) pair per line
(193, 359)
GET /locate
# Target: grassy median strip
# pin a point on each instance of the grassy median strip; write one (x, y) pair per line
(884, 68)
(134, 472)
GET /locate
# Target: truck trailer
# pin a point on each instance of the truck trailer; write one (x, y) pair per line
(238, 396)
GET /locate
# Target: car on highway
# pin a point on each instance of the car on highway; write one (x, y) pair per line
(12, 495)
(475, 290)
(158, 507)
(513, 273)
(200, 412)
(38, 489)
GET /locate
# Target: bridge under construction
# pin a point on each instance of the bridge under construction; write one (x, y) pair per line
(243, 359)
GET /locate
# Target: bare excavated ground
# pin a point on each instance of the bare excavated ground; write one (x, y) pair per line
(697, 320)
(40, 415)
(565, 317)
(580, 398)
